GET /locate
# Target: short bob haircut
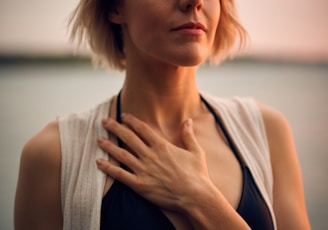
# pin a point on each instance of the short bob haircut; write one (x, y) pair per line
(90, 23)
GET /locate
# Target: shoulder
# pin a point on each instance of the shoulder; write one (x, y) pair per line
(274, 120)
(232, 105)
(43, 149)
(277, 128)
(279, 136)
(37, 202)
(248, 107)
(243, 111)
(289, 202)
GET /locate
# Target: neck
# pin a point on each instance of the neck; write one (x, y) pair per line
(162, 97)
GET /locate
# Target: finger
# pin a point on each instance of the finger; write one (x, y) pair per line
(116, 172)
(141, 129)
(188, 137)
(120, 154)
(126, 135)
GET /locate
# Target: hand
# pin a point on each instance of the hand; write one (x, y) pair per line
(158, 170)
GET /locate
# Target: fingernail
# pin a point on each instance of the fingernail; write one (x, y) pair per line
(104, 121)
(99, 162)
(101, 140)
(123, 115)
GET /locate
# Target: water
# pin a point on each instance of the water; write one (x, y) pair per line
(33, 95)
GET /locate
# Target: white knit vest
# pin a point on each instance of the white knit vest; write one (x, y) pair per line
(82, 184)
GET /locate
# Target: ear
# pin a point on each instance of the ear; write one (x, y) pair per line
(116, 16)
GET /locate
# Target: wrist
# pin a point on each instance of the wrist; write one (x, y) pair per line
(207, 208)
(197, 197)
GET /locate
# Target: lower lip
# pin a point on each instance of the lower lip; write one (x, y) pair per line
(190, 31)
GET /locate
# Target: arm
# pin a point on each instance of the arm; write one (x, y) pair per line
(208, 209)
(37, 202)
(174, 178)
(288, 195)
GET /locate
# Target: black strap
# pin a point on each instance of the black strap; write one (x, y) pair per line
(225, 132)
(118, 116)
(209, 107)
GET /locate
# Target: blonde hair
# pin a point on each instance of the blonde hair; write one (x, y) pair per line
(89, 23)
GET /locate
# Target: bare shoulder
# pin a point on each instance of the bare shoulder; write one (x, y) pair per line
(278, 133)
(42, 152)
(44, 147)
(37, 202)
(274, 120)
(289, 202)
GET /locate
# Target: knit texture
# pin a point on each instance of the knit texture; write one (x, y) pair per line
(82, 184)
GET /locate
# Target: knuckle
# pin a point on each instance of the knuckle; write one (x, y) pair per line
(189, 136)
(123, 155)
(162, 147)
(136, 124)
(126, 135)
(111, 125)
(141, 186)
(105, 145)
(109, 147)
(118, 174)
(108, 168)
(140, 127)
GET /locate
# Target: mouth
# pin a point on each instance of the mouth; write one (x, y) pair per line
(190, 26)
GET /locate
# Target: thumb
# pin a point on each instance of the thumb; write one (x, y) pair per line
(188, 137)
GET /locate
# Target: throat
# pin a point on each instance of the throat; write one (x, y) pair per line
(165, 114)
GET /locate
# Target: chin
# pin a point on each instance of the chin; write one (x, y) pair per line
(190, 61)
(191, 56)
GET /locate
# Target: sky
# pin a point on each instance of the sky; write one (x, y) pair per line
(296, 29)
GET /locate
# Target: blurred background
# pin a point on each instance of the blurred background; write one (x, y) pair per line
(285, 66)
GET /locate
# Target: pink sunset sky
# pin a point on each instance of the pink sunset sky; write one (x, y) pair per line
(293, 29)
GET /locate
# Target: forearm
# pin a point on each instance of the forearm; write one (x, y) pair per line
(208, 209)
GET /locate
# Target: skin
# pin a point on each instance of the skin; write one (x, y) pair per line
(179, 159)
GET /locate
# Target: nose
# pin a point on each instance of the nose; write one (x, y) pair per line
(191, 5)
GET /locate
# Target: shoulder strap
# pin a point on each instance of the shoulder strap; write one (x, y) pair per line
(243, 120)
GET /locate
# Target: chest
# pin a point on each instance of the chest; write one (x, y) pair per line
(223, 167)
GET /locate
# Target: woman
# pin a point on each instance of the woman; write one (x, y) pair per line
(160, 155)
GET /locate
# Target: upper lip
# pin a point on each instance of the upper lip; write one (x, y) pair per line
(190, 25)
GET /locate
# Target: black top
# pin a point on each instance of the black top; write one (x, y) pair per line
(124, 209)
